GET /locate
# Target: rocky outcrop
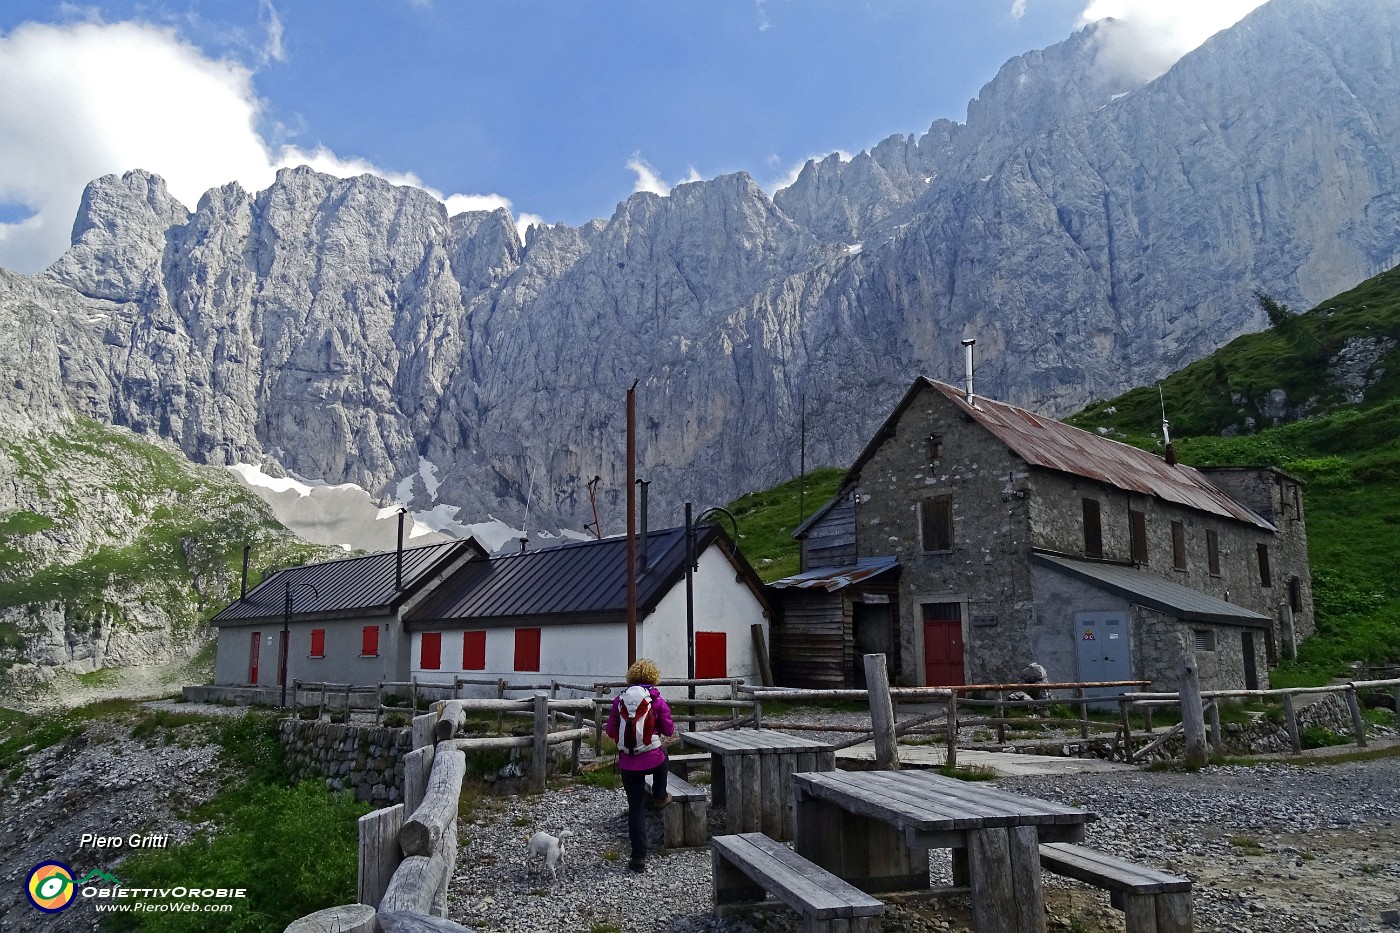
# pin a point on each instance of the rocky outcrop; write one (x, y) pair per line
(1092, 234)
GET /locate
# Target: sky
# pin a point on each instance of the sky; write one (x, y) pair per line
(554, 109)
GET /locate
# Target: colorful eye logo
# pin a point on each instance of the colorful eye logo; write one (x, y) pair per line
(50, 887)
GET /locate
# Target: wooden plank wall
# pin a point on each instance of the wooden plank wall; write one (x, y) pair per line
(812, 643)
(831, 542)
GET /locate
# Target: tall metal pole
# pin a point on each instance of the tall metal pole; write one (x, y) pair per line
(286, 650)
(690, 606)
(632, 523)
(802, 466)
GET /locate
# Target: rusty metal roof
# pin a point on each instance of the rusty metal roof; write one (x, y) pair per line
(1054, 445)
(579, 581)
(1153, 592)
(349, 586)
(832, 579)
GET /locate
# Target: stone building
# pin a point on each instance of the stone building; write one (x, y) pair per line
(1016, 538)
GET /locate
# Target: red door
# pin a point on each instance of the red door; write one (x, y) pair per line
(253, 658)
(943, 645)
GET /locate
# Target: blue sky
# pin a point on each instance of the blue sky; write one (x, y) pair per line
(557, 109)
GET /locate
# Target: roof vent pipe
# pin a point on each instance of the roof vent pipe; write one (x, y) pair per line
(967, 364)
(398, 555)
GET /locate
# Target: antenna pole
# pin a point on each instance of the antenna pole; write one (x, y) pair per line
(802, 466)
(632, 523)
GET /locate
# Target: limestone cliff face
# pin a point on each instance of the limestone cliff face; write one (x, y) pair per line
(1091, 234)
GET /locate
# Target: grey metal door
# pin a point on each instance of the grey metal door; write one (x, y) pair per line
(1103, 649)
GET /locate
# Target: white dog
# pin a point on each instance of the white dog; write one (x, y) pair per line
(546, 848)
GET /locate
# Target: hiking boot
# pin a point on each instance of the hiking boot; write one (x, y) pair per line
(638, 865)
(661, 804)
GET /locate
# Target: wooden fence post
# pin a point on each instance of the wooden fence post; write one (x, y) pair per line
(1000, 712)
(578, 740)
(1083, 713)
(379, 852)
(1217, 741)
(877, 682)
(1290, 718)
(1127, 722)
(1358, 723)
(539, 767)
(760, 649)
(952, 756)
(500, 695)
(1192, 717)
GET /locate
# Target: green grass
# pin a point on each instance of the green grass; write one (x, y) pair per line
(767, 520)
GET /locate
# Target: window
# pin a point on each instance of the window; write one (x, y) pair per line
(1265, 579)
(1205, 639)
(253, 653)
(710, 659)
(936, 523)
(527, 649)
(1093, 529)
(1178, 546)
(473, 651)
(1137, 535)
(318, 643)
(430, 651)
(369, 641)
(1213, 553)
(935, 447)
(1295, 594)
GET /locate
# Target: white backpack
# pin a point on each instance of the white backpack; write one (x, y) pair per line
(636, 732)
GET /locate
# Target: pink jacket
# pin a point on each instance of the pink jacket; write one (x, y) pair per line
(664, 725)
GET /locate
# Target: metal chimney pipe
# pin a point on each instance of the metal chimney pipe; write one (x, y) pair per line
(1170, 452)
(967, 365)
(398, 555)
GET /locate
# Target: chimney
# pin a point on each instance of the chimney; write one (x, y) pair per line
(243, 589)
(967, 361)
(398, 555)
(642, 543)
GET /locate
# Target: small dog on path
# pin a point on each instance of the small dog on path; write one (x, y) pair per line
(545, 849)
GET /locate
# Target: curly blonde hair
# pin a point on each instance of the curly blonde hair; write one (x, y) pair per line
(644, 671)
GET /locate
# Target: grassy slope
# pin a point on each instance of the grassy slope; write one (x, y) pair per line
(1348, 453)
(114, 520)
(767, 519)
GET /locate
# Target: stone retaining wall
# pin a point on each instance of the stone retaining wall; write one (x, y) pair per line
(367, 760)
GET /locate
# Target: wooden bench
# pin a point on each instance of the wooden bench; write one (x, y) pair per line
(1152, 901)
(746, 865)
(682, 765)
(686, 821)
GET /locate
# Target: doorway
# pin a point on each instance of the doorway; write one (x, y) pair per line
(943, 645)
(1103, 650)
(1251, 673)
(872, 627)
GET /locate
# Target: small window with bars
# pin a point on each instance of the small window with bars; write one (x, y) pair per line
(936, 523)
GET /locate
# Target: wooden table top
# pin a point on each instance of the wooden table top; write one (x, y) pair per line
(929, 802)
(751, 741)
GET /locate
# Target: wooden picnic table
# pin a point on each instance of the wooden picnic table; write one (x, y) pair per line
(751, 775)
(874, 829)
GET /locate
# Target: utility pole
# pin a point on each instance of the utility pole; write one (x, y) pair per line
(632, 523)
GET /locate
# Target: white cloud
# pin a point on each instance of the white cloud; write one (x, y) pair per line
(1151, 35)
(648, 179)
(86, 99)
(273, 49)
(1018, 9)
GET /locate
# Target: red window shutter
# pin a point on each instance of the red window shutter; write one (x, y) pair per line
(430, 651)
(710, 657)
(473, 651)
(318, 643)
(253, 653)
(527, 649)
(369, 641)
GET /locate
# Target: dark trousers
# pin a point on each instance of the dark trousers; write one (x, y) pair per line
(634, 782)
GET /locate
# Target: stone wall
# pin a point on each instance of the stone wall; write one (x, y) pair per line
(367, 760)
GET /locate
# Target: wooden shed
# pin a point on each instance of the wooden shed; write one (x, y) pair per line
(831, 618)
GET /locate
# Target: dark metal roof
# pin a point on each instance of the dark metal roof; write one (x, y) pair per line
(579, 580)
(1054, 445)
(1153, 592)
(832, 579)
(349, 586)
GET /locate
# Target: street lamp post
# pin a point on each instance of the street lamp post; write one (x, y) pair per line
(287, 634)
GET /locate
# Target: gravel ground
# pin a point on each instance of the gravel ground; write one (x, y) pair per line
(1270, 848)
